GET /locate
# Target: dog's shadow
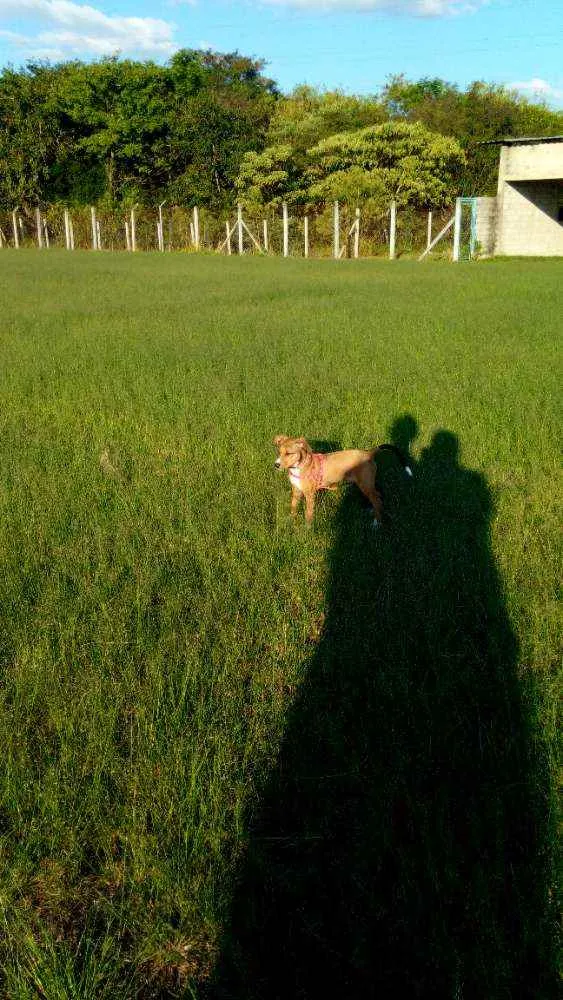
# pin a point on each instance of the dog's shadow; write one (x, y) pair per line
(399, 848)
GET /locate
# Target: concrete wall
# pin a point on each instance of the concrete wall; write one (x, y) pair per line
(527, 218)
(543, 161)
(486, 225)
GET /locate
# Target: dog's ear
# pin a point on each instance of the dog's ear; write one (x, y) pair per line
(303, 444)
(279, 438)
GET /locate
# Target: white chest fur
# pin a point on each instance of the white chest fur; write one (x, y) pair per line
(295, 478)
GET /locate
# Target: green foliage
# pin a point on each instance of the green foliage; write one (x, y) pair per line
(28, 135)
(117, 114)
(306, 116)
(118, 130)
(222, 106)
(299, 122)
(209, 127)
(482, 112)
(394, 160)
(377, 163)
(269, 177)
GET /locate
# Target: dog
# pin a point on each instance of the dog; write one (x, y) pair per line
(310, 471)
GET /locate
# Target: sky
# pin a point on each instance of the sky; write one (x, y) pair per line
(352, 45)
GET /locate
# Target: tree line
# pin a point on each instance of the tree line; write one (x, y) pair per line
(211, 129)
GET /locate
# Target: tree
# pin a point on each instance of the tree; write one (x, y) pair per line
(269, 177)
(120, 130)
(28, 136)
(117, 114)
(222, 108)
(396, 160)
(209, 127)
(307, 116)
(482, 112)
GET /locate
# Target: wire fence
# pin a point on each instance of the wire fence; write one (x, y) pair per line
(335, 231)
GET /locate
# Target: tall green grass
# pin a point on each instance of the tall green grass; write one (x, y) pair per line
(165, 628)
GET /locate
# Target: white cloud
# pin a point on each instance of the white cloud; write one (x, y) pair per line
(537, 88)
(420, 8)
(77, 29)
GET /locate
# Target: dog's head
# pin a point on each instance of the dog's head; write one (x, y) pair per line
(291, 451)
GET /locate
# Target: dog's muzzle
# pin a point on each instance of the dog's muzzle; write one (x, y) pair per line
(277, 464)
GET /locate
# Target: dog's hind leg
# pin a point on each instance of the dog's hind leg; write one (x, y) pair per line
(370, 491)
(364, 478)
(374, 497)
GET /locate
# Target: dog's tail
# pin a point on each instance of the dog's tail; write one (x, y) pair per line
(400, 455)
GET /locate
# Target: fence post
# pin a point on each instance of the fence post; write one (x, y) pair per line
(306, 234)
(161, 227)
(429, 230)
(71, 231)
(336, 231)
(38, 227)
(357, 234)
(127, 236)
(457, 230)
(46, 234)
(98, 236)
(94, 228)
(437, 238)
(285, 230)
(67, 230)
(228, 228)
(265, 230)
(239, 229)
(133, 229)
(196, 227)
(392, 230)
(15, 228)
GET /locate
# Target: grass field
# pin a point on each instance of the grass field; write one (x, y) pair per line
(241, 758)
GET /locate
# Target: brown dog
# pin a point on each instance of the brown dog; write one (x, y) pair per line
(309, 471)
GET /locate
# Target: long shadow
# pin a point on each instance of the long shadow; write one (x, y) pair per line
(401, 846)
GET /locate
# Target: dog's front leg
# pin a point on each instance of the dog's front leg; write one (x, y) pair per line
(295, 498)
(309, 506)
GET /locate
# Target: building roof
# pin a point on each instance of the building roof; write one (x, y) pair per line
(524, 141)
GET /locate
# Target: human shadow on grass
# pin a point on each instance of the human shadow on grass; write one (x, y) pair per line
(400, 848)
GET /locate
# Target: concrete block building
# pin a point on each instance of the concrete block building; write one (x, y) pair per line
(526, 216)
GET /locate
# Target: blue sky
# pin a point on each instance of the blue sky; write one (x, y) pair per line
(353, 45)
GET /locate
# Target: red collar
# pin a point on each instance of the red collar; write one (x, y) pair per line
(316, 472)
